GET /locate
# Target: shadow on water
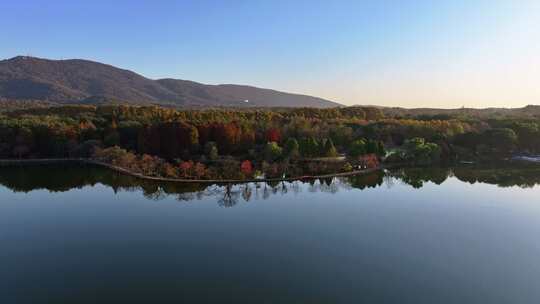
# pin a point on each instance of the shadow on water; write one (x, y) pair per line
(61, 178)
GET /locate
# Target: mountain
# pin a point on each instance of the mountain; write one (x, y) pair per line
(83, 81)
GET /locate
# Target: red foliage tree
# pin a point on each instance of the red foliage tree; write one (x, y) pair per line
(227, 136)
(186, 168)
(148, 140)
(273, 134)
(248, 139)
(247, 168)
(199, 170)
(369, 161)
(204, 133)
(168, 139)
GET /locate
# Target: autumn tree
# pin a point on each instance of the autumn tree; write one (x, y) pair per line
(247, 168)
(227, 136)
(357, 148)
(329, 149)
(292, 148)
(273, 135)
(272, 151)
(177, 138)
(309, 147)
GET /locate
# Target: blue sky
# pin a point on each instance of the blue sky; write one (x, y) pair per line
(395, 53)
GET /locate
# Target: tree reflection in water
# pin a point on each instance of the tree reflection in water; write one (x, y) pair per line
(64, 178)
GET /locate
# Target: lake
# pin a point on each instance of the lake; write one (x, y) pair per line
(443, 235)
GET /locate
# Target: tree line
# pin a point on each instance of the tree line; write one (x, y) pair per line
(270, 137)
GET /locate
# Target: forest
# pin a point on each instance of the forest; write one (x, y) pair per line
(245, 143)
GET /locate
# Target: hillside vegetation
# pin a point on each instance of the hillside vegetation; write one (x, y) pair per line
(88, 82)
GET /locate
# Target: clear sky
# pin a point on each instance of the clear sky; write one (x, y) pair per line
(394, 53)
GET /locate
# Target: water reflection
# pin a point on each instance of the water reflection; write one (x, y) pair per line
(63, 178)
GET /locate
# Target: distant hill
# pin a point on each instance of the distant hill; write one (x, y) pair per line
(82, 81)
(528, 111)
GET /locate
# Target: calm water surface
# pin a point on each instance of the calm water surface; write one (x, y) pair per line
(86, 235)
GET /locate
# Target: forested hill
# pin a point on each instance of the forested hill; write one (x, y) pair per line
(530, 111)
(32, 79)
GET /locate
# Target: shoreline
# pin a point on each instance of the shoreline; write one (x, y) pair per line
(85, 161)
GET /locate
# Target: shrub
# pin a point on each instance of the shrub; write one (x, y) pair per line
(272, 151)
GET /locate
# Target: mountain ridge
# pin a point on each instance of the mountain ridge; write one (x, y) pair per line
(91, 82)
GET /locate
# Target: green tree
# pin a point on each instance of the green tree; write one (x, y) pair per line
(292, 148)
(528, 135)
(309, 147)
(329, 149)
(272, 151)
(357, 148)
(500, 140)
(211, 150)
(381, 151)
(420, 152)
(372, 147)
